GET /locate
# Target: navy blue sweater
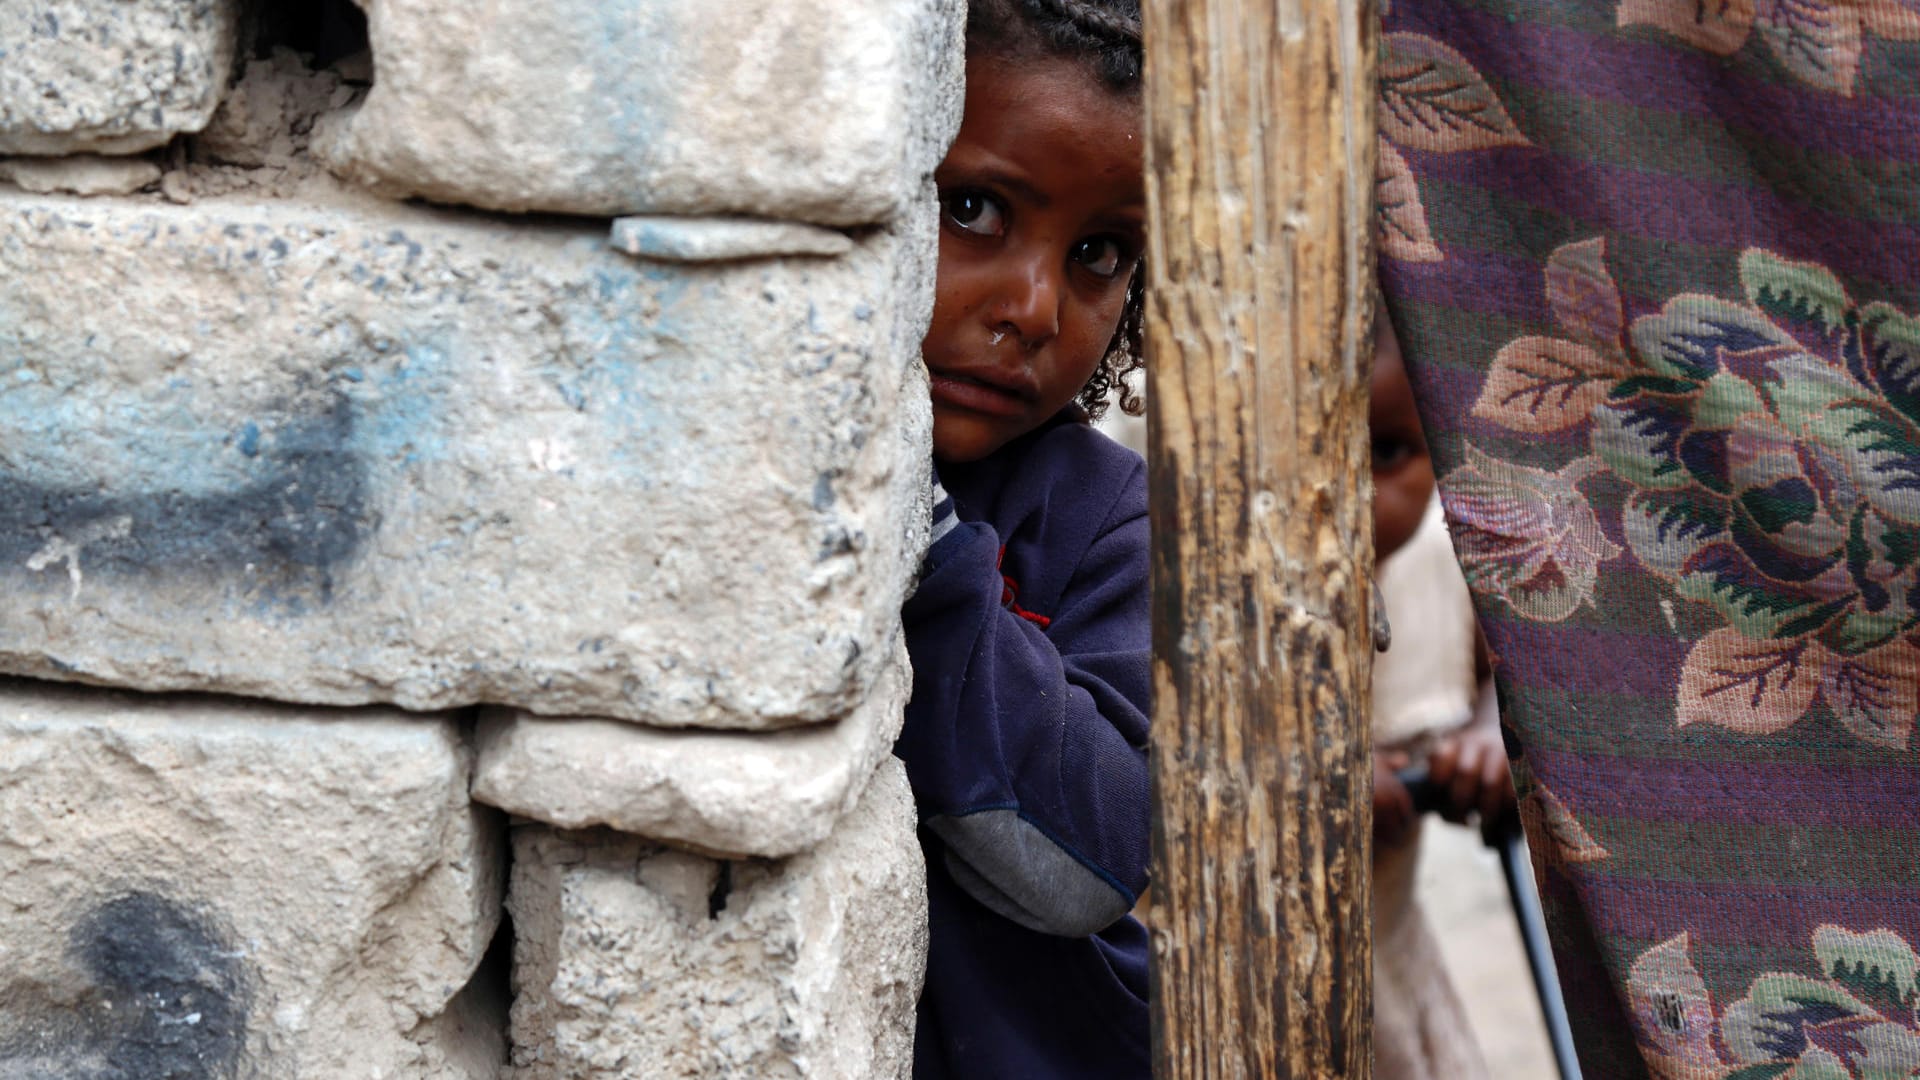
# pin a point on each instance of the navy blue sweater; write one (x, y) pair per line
(1026, 745)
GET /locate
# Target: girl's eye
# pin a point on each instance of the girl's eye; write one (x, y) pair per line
(1100, 256)
(1390, 453)
(975, 212)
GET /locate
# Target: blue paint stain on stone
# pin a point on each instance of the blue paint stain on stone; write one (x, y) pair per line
(638, 95)
(300, 512)
(159, 481)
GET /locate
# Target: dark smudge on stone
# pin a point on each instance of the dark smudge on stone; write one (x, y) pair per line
(306, 515)
(168, 1000)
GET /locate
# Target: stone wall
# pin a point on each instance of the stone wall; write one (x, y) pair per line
(460, 466)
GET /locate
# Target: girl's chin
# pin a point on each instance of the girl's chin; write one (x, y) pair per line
(964, 438)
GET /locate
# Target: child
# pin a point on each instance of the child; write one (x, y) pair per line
(1026, 737)
(1424, 690)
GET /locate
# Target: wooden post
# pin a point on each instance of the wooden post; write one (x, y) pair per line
(1260, 162)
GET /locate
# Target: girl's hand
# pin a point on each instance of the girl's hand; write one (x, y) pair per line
(1393, 814)
(1471, 767)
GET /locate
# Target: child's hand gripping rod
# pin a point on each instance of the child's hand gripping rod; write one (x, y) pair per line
(1505, 837)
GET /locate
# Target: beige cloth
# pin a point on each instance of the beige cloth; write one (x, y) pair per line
(1423, 687)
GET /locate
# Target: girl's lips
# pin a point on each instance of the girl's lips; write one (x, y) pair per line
(974, 396)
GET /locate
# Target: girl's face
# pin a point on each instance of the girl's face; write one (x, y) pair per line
(1402, 471)
(1043, 207)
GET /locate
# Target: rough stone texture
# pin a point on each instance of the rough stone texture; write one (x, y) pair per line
(201, 888)
(268, 114)
(345, 455)
(80, 174)
(256, 145)
(722, 239)
(637, 961)
(112, 76)
(731, 794)
(833, 113)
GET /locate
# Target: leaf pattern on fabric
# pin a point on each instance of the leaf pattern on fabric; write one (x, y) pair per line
(1718, 26)
(1876, 696)
(1545, 384)
(1431, 100)
(1771, 450)
(1401, 219)
(1890, 354)
(1880, 967)
(1895, 20)
(1526, 535)
(1753, 687)
(1670, 1005)
(1819, 42)
(1666, 529)
(1542, 384)
(1555, 835)
(1584, 299)
(1855, 1020)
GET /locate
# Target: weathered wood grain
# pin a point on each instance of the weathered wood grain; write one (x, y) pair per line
(1260, 174)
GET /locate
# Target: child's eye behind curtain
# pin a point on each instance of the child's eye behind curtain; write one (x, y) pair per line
(1390, 453)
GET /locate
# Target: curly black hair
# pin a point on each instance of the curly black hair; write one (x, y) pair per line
(1105, 36)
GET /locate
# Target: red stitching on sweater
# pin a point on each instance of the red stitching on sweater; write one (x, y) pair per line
(1010, 595)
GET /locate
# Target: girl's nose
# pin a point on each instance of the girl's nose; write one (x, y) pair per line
(1029, 303)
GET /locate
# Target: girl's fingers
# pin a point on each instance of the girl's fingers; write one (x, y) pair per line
(1493, 789)
(1464, 791)
(1500, 785)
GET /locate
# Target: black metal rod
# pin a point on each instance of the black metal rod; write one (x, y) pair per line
(1533, 931)
(1507, 838)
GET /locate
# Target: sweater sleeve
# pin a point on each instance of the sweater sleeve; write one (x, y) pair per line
(1026, 746)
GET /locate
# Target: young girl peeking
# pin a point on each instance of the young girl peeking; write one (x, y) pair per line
(1425, 690)
(1026, 737)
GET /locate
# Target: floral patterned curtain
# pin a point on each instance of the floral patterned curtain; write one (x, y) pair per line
(1656, 267)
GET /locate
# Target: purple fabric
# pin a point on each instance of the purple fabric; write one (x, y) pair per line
(1655, 265)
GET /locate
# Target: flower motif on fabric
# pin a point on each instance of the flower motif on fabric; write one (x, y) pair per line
(1772, 448)
(1431, 99)
(1526, 535)
(1819, 42)
(1855, 1021)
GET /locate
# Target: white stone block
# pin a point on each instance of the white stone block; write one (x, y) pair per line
(725, 793)
(353, 454)
(197, 887)
(833, 113)
(110, 76)
(722, 239)
(634, 961)
(79, 174)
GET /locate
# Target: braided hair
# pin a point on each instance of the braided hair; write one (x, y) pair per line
(1105, 36)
